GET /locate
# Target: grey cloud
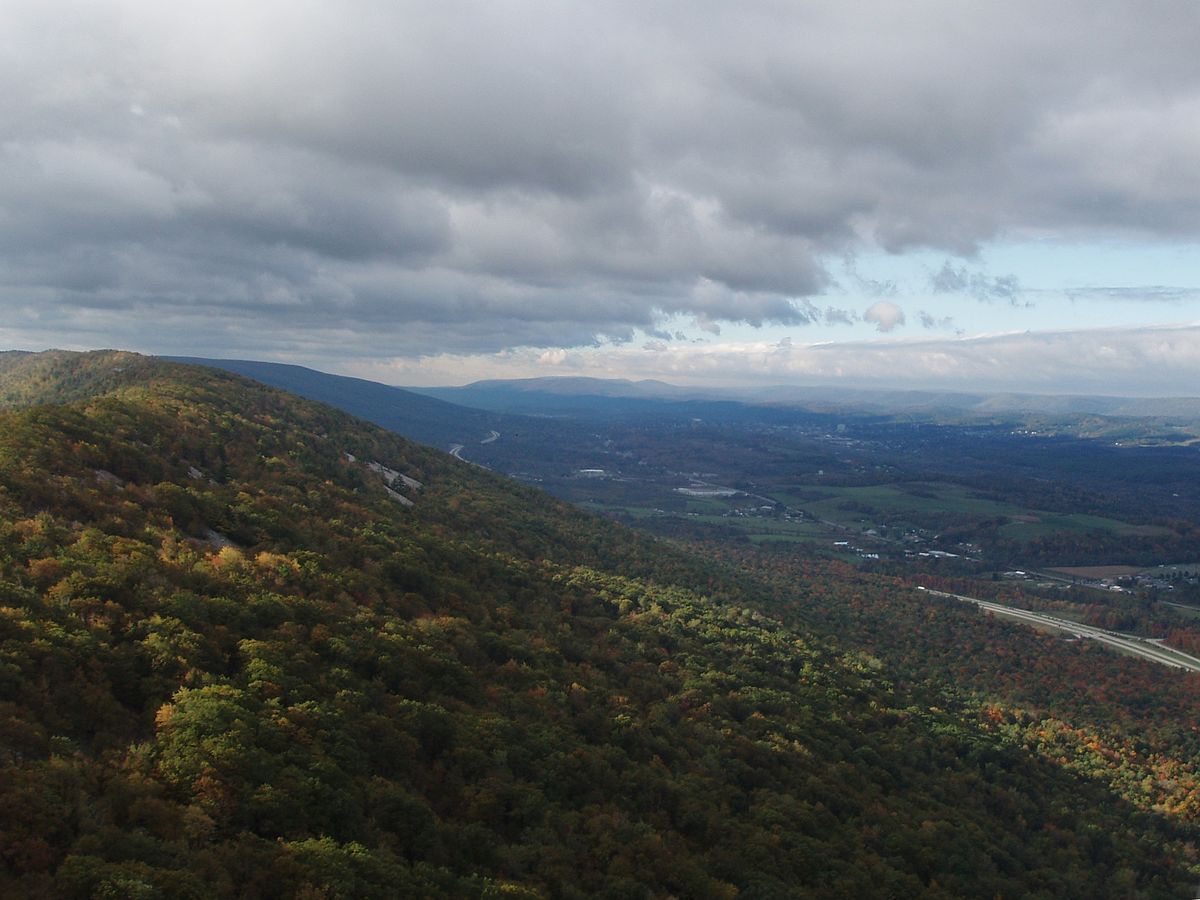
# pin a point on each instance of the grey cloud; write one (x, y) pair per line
(961, 280)
(840, 316)
(465, 175)
(871, 287)
(928, 320)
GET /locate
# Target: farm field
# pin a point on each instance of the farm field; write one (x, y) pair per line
(1097, 571)
(921, 503)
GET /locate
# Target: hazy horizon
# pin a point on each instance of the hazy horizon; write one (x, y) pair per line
(768, 391)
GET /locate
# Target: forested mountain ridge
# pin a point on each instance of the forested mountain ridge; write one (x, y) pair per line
(244, 654)
(416, 416)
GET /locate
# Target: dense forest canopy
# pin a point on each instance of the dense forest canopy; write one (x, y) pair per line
(251, 646)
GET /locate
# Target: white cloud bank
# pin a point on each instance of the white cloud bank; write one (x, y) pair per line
(1158, 362)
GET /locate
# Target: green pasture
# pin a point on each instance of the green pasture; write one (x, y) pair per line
(891, 501)
(1050, 523)
(791, 538)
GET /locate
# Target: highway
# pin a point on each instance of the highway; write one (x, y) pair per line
(1146, 648)
(457, 449)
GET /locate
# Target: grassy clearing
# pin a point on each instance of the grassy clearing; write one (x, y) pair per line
(789, 538)
(890, 501)
(1097, 571)
(1051, 523)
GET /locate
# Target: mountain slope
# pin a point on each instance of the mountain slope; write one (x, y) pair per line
(234, 662)
(417, 417)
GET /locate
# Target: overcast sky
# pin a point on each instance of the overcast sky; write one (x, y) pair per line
(978, 195)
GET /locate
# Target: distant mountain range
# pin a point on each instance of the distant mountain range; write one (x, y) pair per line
(506, 394)
(448, 415)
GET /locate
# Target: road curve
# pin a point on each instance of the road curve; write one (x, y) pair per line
(1142, 647)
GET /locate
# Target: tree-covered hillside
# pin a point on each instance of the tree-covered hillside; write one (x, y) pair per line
(253, 647)
(416, 416)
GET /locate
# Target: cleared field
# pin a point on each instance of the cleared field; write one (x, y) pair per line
(797, 538)
(920, 497)
(751, 525)
(920, 504)
(1097, 571)
(1049, 523)
(880, 503)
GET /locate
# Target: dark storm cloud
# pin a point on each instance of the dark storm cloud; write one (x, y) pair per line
(411, 177)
